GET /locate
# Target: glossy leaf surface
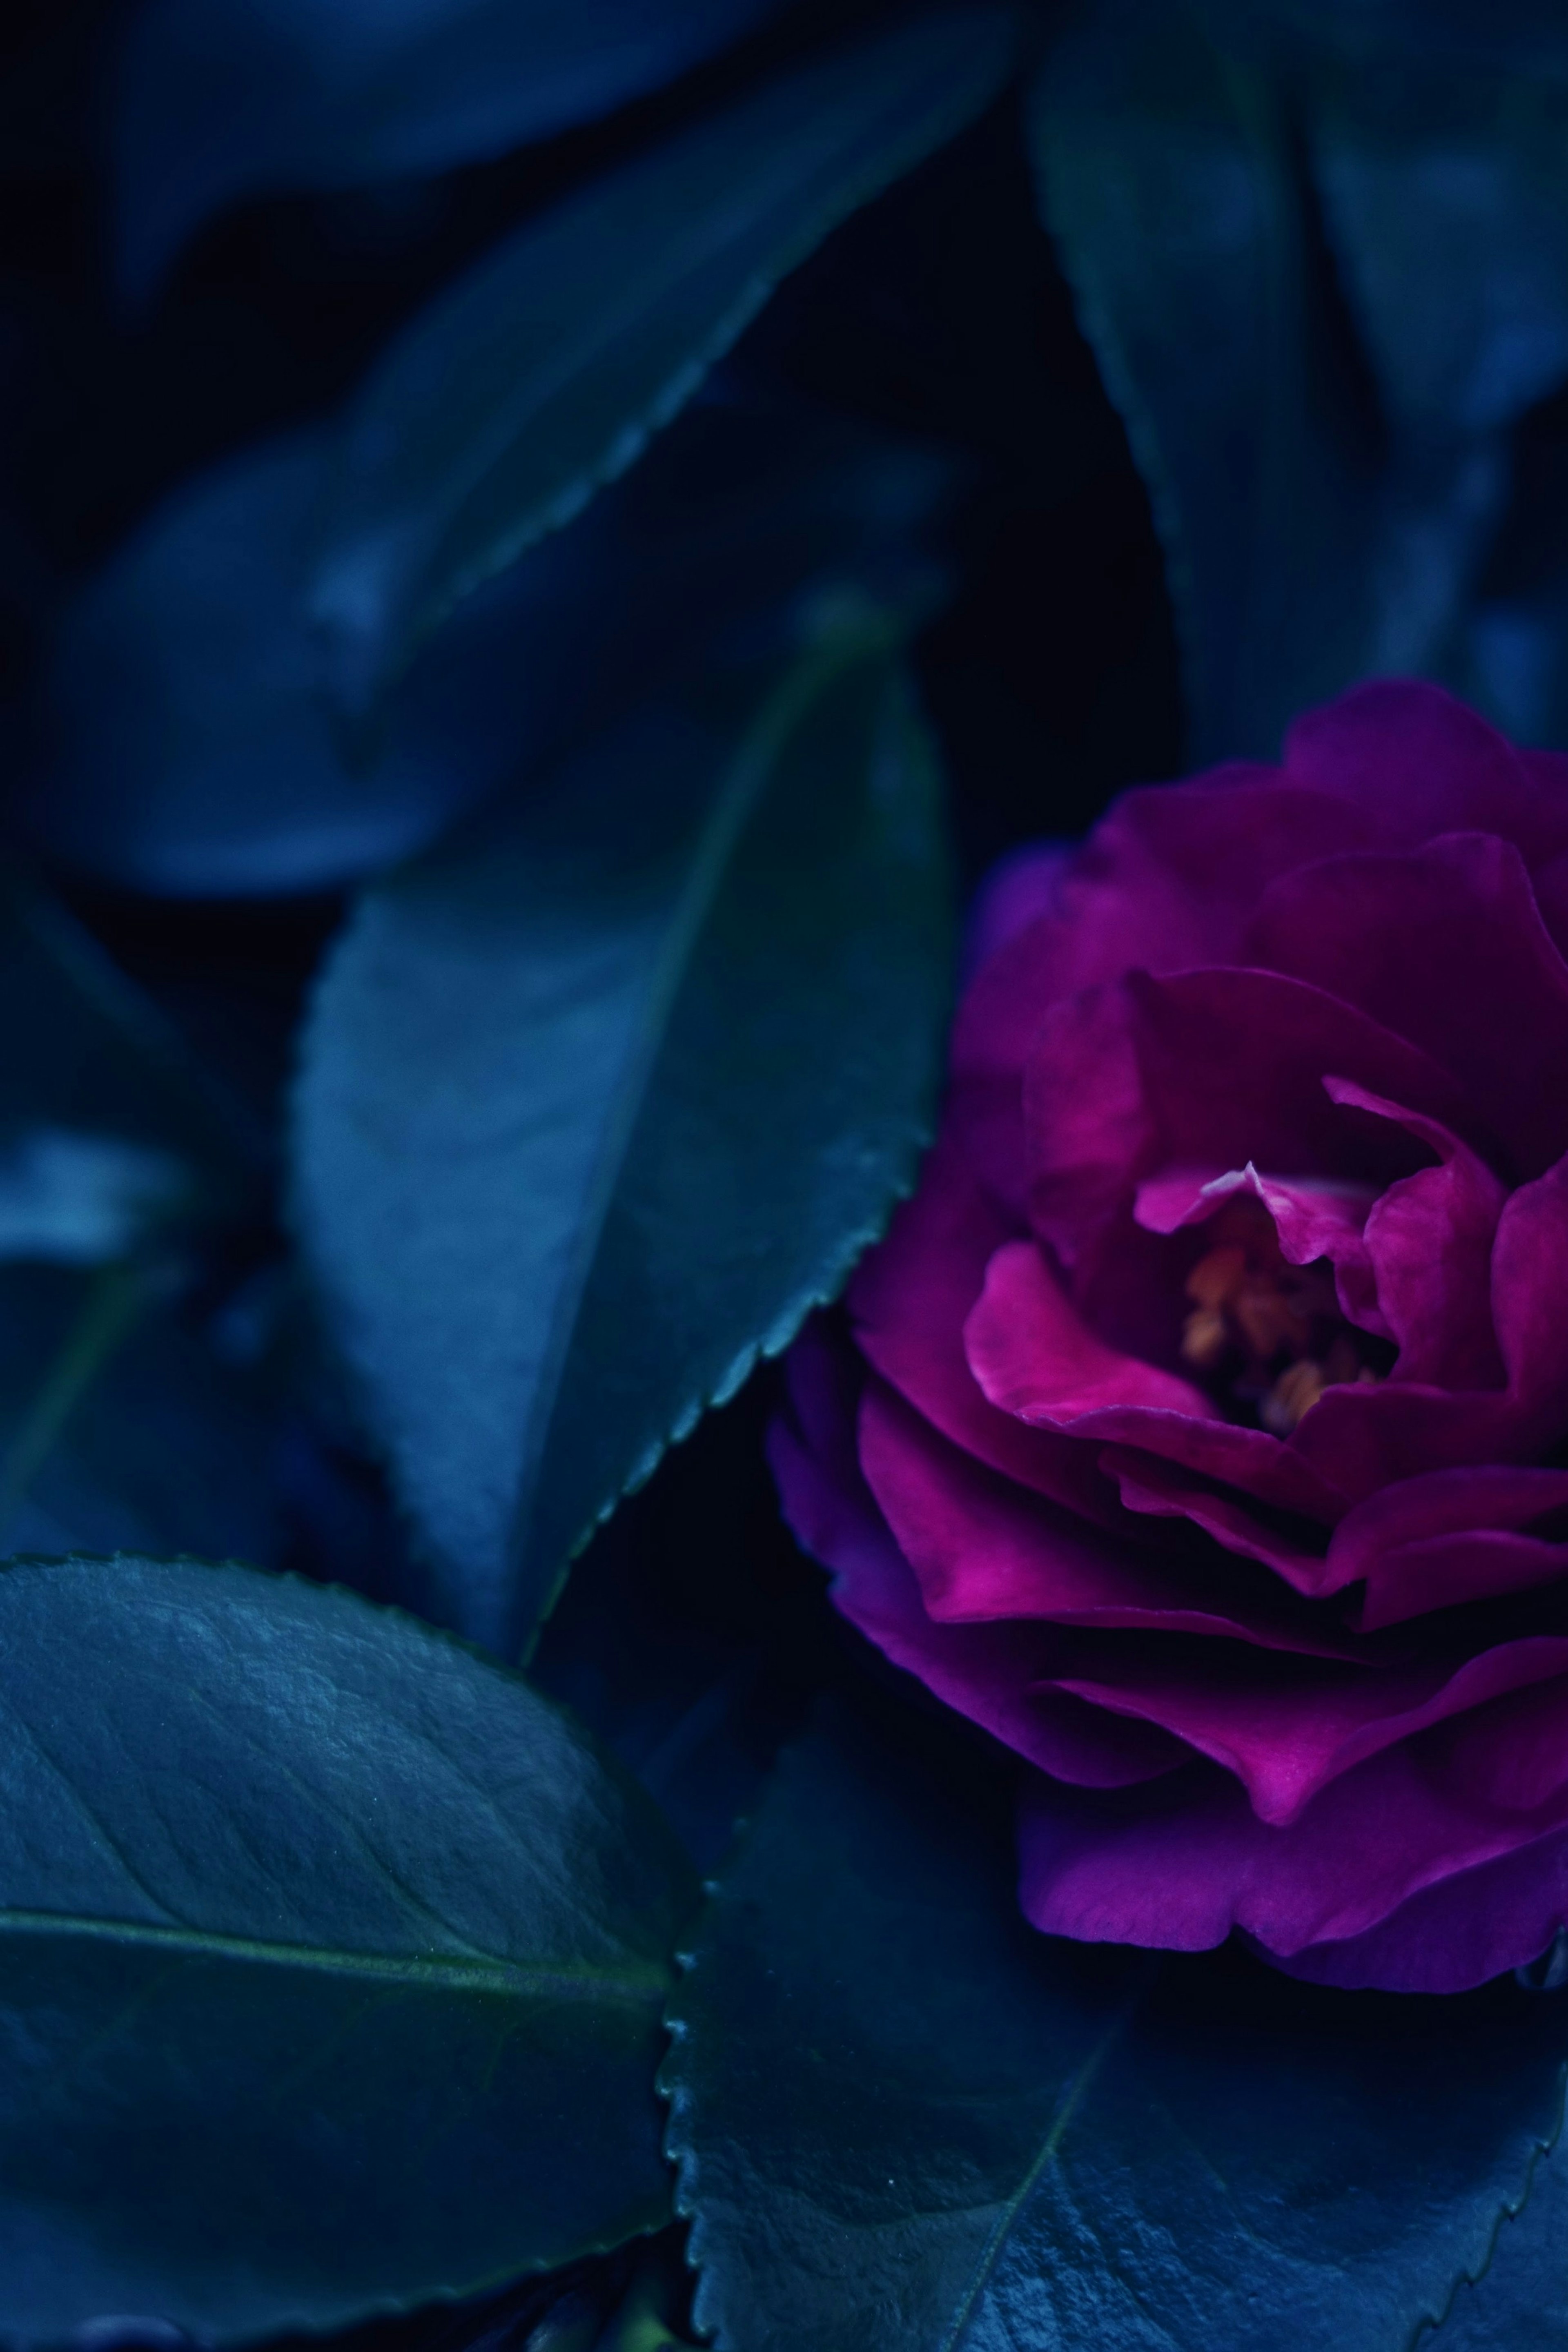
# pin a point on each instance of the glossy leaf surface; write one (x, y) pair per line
(596, 1107)
(330, 1960)
(222, 99)
(541, 374)
(904, 2120)
(190, 748)
(1521, 2304)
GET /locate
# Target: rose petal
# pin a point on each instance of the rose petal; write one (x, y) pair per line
(1212, 1068)
(981, 1548)
(1167, 880)
(1313, 1218)
(1019, 889)
(1454, 1935)
(1179, 1865)
(1286, 1729)
(1359, 1439)
(1033, 1354)
(908, 1301)
(1296, 1550)
(1421, 763)
(1408, 1540)
(1430, 1241)
(985, 1672)
(1445, 946)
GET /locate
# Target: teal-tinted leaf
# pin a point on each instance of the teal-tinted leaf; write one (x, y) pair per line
(541, 374)
(222, 99)
(120, 1428)
(330, 1960)
(189, 747)
(1172, 182)
(1322, 297)
(904, 2122)
(1521, 2305)
(1445, 199)
(99, 1093)
(595, 1106)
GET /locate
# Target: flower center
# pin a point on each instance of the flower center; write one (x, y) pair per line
(1270, 1335)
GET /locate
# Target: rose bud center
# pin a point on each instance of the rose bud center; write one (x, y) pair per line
(1269, 1337)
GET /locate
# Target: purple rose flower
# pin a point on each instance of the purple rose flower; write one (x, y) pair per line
(1203, 1433)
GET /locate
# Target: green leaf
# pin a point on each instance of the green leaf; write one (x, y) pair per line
(218, 100)
(904, 2121)
(121, 1429)
(597, 1106)
(1521, 2304)
(541, 374)
(330, 1961)
(1172, 182)
(1322, 297)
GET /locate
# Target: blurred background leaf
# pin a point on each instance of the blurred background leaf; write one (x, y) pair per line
(220, 99)
(189, 747)
(541, 374)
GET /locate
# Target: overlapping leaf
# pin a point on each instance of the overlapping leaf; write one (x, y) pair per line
(222, 99)
(595, 1108)
(904, 2120)
(1172, 182)
(189, 747)
(541, 374)
(330, 1960)
(1322, 300)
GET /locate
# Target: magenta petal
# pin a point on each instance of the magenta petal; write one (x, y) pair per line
(1445, 1570)
(1445, 946)
(908, 1301)
(1017, 892)
(1234, 1063)
(1033, 1354)
(1428, 1245)
(1408, 1540)
(1161, 1489)
(1530, 1304)
(1457, 1934)
(981, 1550)
(1420, 764)
(1180, 1865)
(988, 1672)
(1313, 1218)
(1286, 1729)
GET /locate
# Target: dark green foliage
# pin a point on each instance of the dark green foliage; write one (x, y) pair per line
(330, 1962)
(512, 484)
(1294, 273)
(541, 375)
(596, 1108)
(905, 2120)
(333, 93)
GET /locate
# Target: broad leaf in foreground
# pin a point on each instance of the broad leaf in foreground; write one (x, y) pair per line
(906, 2122)
(541, 374)
(330, 1962)
(222, 99)
(596, 1107)
(1521, 2304)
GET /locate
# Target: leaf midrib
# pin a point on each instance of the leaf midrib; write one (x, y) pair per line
(740, 793)
(1073, 2095)
(633, 1986)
